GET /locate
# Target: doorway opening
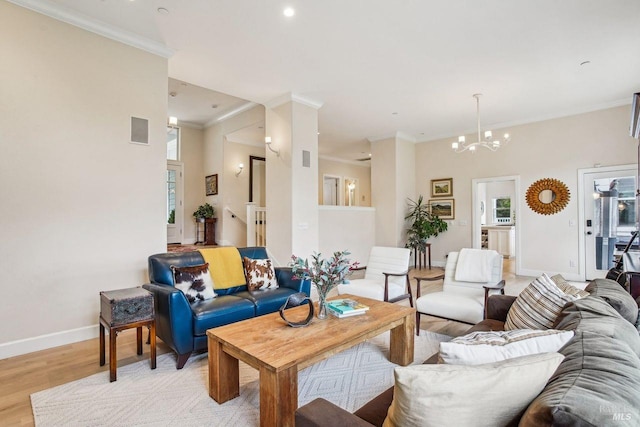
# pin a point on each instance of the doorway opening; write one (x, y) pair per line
(331, 190)
(496, 201)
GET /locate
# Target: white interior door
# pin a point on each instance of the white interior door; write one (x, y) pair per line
(331, 190)
(174, 212)
(609, 216)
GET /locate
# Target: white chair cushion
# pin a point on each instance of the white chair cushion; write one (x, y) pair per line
(373, 289)
(452, 306)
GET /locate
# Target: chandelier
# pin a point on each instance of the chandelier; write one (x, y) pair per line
(487, 142)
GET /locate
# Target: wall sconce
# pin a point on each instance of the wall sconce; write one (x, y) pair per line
(240, 167)
(267, 140)
(173, 121)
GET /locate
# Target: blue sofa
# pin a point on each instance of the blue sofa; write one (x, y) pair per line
(183, 326)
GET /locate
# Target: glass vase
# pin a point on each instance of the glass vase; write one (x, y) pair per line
(322, 304)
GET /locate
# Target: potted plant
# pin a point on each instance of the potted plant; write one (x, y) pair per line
(204, 212)
(424, 224)
(325, 274)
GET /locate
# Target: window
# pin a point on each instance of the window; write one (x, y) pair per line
(502, 210)
(173, 147)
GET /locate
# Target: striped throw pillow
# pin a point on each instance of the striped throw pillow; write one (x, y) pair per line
(493, 346)
(567, 287)
(537, 306)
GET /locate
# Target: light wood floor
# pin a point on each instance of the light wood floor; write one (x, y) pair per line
(22, 375)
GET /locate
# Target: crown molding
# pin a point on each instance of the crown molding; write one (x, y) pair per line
(565, 113)
(60, 13)
(241, 109)
(396, 135)
(293, 97)
(362, 164)
(190, 125)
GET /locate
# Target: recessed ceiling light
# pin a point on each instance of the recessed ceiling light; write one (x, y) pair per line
(289, 12)
(163, 10)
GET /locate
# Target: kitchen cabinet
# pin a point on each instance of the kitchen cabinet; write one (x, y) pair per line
(501, 239)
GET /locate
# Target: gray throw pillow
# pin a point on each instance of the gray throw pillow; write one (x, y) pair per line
(597, 384)
(616, 296)
(593, 314)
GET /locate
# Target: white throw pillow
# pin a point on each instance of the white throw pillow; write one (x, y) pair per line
(488, 395)
(537, 306)
(477, 348)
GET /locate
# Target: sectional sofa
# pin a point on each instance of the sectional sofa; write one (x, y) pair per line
(597, 383)
(182, 325)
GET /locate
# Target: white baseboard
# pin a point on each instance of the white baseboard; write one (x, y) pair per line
(536, 273)
(42, 342)
(191, 241)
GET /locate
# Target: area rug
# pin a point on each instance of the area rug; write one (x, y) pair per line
(170, 397)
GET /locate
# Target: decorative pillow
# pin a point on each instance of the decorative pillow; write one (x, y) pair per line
(260, 274)
(616, 297)
(537, 306)
(194, 281)
(490, 395)
(567, 287)
(477, 348)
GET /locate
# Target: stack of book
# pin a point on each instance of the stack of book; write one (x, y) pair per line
(346, 308)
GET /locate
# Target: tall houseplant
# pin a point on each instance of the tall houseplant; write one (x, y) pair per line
(423, 224)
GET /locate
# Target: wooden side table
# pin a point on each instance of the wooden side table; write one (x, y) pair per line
(125, 309)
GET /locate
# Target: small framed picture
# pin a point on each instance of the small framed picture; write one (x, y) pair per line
(442, 187)
(443, 208)
(211, 184)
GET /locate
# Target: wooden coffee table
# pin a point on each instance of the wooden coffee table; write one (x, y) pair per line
(278, 351)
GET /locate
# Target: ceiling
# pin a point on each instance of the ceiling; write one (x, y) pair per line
(380, 67)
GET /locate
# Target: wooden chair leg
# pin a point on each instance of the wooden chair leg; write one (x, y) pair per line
(417, 323)
(409, 291)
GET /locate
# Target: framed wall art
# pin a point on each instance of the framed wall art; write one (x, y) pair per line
(211, 184)
(442, 187)
(443, 208)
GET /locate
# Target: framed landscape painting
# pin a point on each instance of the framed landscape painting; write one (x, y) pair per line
(443, 208)
(442, 187)
(211, 184)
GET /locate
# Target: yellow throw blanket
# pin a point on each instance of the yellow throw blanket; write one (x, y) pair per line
(225, 267)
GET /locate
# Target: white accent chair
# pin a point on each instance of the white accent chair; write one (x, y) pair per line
(386, 276)
(461, 301)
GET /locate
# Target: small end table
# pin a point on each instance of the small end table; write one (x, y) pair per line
(125, 309)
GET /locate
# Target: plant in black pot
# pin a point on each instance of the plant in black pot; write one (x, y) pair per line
(204, 212)
(423, 224)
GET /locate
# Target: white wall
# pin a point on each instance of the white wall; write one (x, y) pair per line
(552, 148)
(351, 228)
(347, 170)
(217, 162)
(191, 154)
(82, 208)
(237, 190)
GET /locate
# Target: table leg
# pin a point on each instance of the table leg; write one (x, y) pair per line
(113, 360)
(139, 339)
(278, 397)
(152, 345)
(401, 346)
(224, 373)
(102, 361)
